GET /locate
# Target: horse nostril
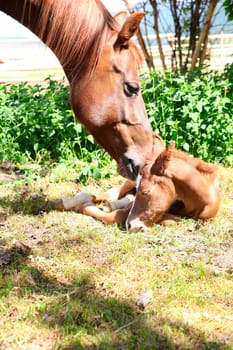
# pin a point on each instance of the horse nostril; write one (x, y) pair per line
(127, 225)
(128, 168)
(131, 228)
(134, 168)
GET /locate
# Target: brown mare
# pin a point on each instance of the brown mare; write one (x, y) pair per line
(101, 64)
(171, 182)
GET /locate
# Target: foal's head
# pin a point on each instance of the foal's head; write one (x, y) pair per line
(155, 194)
(110, 104)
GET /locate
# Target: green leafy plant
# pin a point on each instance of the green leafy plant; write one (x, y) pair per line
(195, 110)
(36, 118)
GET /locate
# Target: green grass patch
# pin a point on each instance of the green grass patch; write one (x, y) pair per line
(69, 282)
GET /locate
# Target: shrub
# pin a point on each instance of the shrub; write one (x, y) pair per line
(37, 119)
(195, 110)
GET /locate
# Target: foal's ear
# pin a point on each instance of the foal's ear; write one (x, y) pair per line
(128, 29)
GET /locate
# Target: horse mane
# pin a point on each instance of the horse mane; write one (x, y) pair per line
(161, 163)
(76, 31)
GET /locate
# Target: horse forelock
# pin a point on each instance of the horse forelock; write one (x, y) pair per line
(76, 31)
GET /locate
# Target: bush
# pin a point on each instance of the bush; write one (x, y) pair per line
(38, 120)
(195, 110)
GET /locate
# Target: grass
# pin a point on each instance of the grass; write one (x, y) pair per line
(70, 282)
(31, 75)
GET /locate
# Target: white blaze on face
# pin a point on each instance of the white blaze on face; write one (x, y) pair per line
(138, 181)
(135, 224)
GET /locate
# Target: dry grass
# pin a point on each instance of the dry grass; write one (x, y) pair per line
(69, 282)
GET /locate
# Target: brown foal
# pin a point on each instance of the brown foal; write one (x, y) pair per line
(171, 182)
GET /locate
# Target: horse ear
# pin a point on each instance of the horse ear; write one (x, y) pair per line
(128, 29)
(120, 18)
(171, 146)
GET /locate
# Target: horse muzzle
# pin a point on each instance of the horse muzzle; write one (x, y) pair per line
(128, 169)
(136, 225)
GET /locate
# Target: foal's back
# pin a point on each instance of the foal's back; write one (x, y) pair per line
(196, 184)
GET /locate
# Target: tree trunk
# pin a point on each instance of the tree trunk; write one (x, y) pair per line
(178, 32)
(202, 41)
(194, 30)
(156, 28)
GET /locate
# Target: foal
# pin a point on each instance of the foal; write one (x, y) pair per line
(171, 182)
(174, 182)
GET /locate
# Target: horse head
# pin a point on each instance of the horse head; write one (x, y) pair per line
(109, 103)
(101, 64)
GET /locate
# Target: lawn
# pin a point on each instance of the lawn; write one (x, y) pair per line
(70, 282)
(30, 75)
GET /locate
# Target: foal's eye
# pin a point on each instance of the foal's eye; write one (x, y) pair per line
(131, 88)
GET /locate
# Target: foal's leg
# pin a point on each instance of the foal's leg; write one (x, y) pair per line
(118, 216)
(168, 219)
(115, 192)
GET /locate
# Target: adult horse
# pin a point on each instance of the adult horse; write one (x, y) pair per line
(101, 64)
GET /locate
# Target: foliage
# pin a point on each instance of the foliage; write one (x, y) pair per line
(189, 21)
(37, 118)
(195, 110)
(228, 5)
(37, 123)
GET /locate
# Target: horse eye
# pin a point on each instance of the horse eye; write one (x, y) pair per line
(131, 88)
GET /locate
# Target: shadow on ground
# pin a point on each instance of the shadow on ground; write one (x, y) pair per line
(85, 319)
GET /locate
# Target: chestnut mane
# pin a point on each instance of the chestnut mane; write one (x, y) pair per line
(76, 31)
(171, 153)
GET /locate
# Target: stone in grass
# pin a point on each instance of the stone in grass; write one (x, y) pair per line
(144, 298)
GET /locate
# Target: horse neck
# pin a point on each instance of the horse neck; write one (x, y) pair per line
(25, 12)
(75, 31)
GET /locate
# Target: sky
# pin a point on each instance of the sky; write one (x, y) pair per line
(11, 28)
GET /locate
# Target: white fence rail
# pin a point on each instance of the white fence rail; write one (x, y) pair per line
(31, 55)
(219, 49)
